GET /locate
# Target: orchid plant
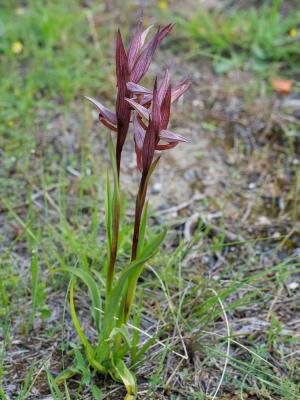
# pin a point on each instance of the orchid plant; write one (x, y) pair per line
(148, 112)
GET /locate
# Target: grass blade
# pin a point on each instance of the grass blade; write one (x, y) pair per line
(88, 279)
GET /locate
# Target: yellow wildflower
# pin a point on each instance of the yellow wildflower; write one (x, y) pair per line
(163, 5)
(293, 32)
(17, 47)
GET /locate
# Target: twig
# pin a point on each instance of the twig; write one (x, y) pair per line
(185, 204)
(228, 343)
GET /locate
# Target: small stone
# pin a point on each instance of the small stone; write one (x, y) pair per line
(197, 103)
(156, 188)
(276, 235)
(293, 285)
(262, 220)
(190, 175)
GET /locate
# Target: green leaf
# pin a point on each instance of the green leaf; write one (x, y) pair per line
(152, 247)
(80, 362)
(144, 348)
(115, 212)
(130, 272)
(96, 392)
(108, 213)
(150, 172)
(115, 338)
(142, 229)
(90, 352)
(56, 393)
(34, 283)
(2, 394)
(127, 378)
(112, 156)
(136, 332)
(76, 323)
(88, 279)
(67, 374)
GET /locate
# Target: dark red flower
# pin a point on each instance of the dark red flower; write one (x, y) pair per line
(130, 67)
(159, 100)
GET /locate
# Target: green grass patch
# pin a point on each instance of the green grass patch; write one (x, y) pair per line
(256, 39)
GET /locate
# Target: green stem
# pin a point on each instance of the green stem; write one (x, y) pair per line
(114, 247)
(139, 206)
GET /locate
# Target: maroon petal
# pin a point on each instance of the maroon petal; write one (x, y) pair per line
(156, 111)
(142, 64)
(144, 112)
(135, 46)
(152, 133)
(110, 116)
(179, 89)
(165, 31)
(107, 124)
(138, 133)
(165, 109)
(170, 136)
(135, 88)
(147, 98)
(121, 62)
(145, 34)
(161, 147)
(164, 84)
(122, 109)
(138, 153)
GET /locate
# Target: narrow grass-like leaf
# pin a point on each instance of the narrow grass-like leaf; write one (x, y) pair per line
(24, 392)
(108, 212)
(127, 378)
(115, 219)
(4, 297)
(20, 221)
(67, 374)
(90, 352)
(136, 332)
(150, 172)
(88, 279)
(152, 247)
(112, 156)
(96, 392)
(142, 231)
(34, 283)
(76, 323)
(132, 270)
(2, 394)
(144, 348)
(116, 336)
(55, 391)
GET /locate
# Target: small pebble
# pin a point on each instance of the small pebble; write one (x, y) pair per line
(262, 220)
(190, 175)
(276, 235)
(156, 188)
(293, 285)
